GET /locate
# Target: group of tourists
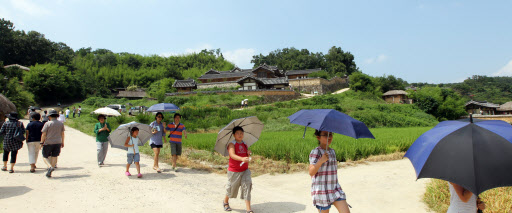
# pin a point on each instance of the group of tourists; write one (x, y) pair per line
(325, 188)
(47, 136)
(159, 130)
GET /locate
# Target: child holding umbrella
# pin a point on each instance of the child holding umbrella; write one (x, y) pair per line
(239, 174)
(132, 142)
(323, 169)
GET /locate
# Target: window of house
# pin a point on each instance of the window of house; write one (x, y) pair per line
(262, 75)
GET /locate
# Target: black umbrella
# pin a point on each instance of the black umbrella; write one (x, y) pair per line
(475, 154)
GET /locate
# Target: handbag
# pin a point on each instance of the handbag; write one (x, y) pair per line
(18, 134)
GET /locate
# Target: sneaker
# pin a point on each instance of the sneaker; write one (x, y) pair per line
(49, 172)
(175, 169)
(128, 174)
(139, 175)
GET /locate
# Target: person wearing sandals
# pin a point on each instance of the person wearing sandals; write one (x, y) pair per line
(156, 141)
(177, 130)
(102, 130)
(239, 175)
(133, 156)
(11, 145)
(323, 169)
(52, 141)
(34, 139)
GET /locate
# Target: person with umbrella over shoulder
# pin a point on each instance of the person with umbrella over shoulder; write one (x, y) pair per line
(239, 174)
(132, 142)
(11, 129)
(323, 169)
(157, 139)
(177, 130)
(102, 130)
(52, 141)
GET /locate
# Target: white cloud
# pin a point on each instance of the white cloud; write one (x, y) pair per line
(240, 57)
(30, 7)
(505, 71)
(379, 59)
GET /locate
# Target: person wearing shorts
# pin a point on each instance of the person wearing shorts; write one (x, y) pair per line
(239, 175)
(177, 130)
(157, 139)
(52, 140)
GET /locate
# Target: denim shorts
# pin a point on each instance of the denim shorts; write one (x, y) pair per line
(328, 207)
(133, 158)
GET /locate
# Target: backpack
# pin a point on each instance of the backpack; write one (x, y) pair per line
(18, 134)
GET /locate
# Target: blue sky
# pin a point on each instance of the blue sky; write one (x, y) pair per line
(419, 41)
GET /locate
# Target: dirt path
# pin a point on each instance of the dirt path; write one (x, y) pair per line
(78, 185)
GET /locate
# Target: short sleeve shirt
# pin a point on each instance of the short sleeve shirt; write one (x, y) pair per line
(176, 132)
(53, 131)
(325, 188)
(157, 137)
(34, 131)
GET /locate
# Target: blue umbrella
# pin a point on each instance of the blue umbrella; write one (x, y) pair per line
(163, 107)
(475, 154)
(332, 121)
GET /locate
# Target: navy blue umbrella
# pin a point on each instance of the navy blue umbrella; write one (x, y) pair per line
(163, 107)
(475, 154)
(332, 121)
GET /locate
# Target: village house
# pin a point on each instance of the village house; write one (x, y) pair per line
(505, 109)
(262, 71)
(252, 83)
(123, 93)
(396, 96)
(185, 85)
(482, 108)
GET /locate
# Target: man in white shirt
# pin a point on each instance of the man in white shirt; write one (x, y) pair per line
(67, 113)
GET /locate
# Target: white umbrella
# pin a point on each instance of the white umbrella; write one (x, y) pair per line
(252, 131)
(107, 111)
(118, 137)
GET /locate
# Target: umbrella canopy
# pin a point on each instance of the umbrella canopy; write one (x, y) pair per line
(118, 137)
(476, 155)
(107, 111)
(163, 107)
(6, 106)
(252, 131)
(332, 121)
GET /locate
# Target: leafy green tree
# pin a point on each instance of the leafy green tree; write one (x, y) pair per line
(361, 82)
(52, 83)
(390, 82)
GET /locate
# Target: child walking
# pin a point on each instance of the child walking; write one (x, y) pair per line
(323, 169)
(239, 174)
(132, 142)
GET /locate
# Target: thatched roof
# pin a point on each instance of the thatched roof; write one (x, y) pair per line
(394, 92)
(131, 94)
(505, 107)
(6, 106)
(19, 66)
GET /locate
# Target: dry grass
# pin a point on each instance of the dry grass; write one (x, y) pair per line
(437, 197)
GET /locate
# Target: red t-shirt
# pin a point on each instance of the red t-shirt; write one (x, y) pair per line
(240, 150)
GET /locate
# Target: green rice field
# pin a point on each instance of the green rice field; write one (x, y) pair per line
(290, 146)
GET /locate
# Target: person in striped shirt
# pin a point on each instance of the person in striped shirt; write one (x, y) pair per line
(176, 131)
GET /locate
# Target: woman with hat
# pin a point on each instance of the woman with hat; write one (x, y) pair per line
(11, 145)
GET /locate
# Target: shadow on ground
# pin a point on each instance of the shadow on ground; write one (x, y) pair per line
(13, 191)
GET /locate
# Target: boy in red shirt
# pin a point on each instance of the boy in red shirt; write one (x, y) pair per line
(239, 174)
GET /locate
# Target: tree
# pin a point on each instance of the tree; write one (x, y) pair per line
(361, 82)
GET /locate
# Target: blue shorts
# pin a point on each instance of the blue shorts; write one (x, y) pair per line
(133, 158)
(328, 207)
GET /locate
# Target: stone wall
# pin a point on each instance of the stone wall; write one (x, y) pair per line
(227, 84)
(506, 118)
(319, 85)
(269, 95)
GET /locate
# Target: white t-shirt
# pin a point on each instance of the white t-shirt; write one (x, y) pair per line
(242, 102)
(67, 111)
(135, 142)
(456, 205)
(79, 110)
(62, 118)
